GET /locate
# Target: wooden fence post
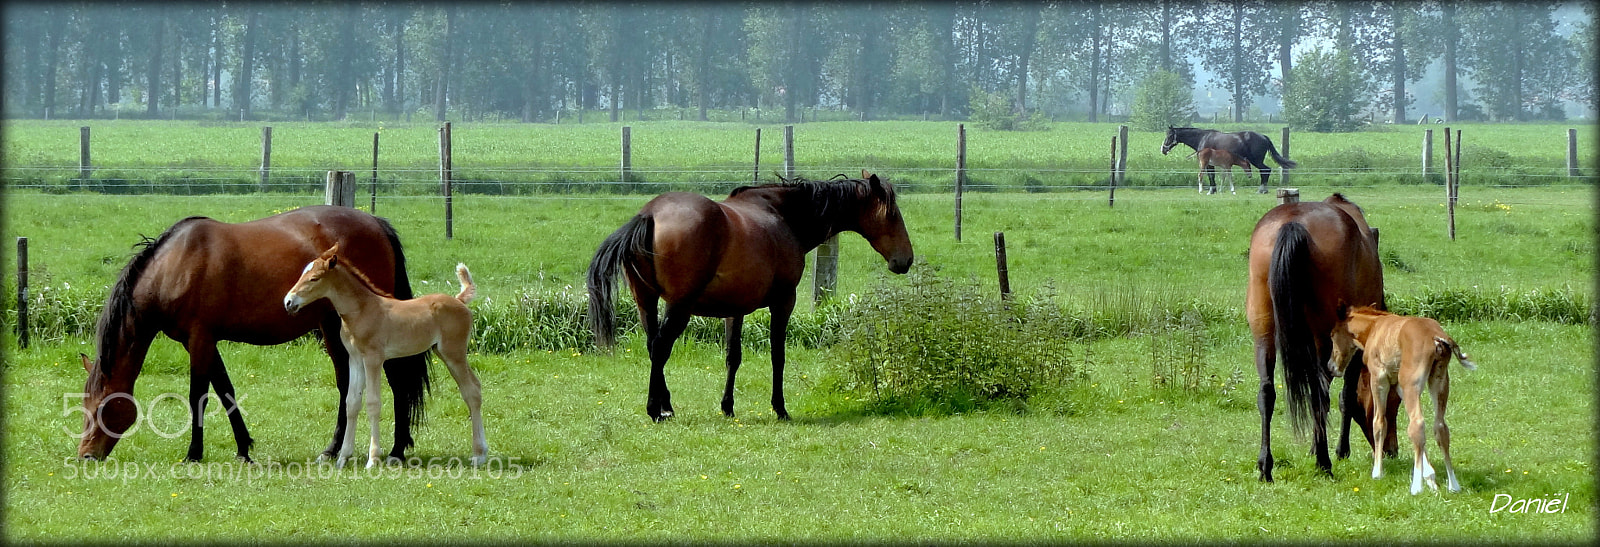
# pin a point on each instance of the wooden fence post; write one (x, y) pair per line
(1111, 184)
(757, 178)
(266, 156)
(1427, 153)
(84, 168)
(340, 189)
(1122, 155)
(1572, 153)
(1000, 265)
(444, 175)
(627, 152)
(788, 151)
(1449, 183)
(373, 208)
(961, 172)
(1288, 195)
(1455, 186)
(1283, 174)
(22, 292)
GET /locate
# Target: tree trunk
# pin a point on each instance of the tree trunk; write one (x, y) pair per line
(1236, 61)
(1166, 35)
(703, 64)
(1398, 58)
(344, 81)
(1094, 64)
(1452, 35)
(152, 76)
(1030, 34)
(440, 102)
(242, 79)
(52, 53)
(216, 62)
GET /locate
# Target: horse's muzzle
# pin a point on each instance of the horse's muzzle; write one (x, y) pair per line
(900, 265)
(291, 305)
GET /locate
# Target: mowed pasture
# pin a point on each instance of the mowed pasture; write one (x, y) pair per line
(1110, 454)
(208, 157)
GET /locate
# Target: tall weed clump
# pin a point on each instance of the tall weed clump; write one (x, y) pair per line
(1562, 305)
(937, 347)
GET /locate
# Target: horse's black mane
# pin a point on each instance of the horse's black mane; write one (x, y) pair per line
(119, 308)
(828, 198)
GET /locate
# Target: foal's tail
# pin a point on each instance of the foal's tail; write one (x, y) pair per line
(633, 241)
(1447, 347)
(1283, 162)
(468, 289)
(1289, 283)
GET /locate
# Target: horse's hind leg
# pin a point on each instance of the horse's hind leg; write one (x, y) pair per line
(1266, 172)
(1439, 384)
(734, 327)
(659, 403)
(454, 355)
(230, 406)
(1266, 399)
(780, 336)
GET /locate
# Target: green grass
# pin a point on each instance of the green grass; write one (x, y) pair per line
(1115, 458)
(209, 157)
(1128, 450)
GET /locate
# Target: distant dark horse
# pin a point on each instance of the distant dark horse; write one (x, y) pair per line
(729, 258)
(1305, 259)
(203, 281)
(1250, 145)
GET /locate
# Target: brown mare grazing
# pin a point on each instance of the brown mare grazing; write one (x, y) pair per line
(1217, 157)
(729, 258)
(203, 281)
(375, 326)
(1305, 258)
(1404, 353)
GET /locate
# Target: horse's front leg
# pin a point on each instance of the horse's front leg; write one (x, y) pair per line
(780, 336)
(357, 381)
(1266, 172)
(734, 327)
(372, 374)
(331, 342)
(230, 406)
(202, 356)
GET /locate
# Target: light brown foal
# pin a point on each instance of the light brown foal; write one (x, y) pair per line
(376, 326)
(1217, 157)
(1406, 353)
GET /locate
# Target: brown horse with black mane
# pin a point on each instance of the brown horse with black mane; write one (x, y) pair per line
(727, 259)
(203, 281)
(1305, 259)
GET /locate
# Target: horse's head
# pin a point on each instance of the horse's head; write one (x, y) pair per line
(108, 409)
(1347, 334)
(310, 288)
(880, 222)
(1171, 140)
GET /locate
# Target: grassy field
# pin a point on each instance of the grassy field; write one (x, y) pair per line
(1111, 454)
(207, 157)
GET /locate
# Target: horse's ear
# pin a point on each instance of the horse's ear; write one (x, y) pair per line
(1344, 311)
(87, 366)
(329, 254)
(865, 174)
(876, 184)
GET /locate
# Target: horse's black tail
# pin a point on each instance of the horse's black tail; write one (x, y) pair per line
(408, 376)
(1283, 162)
(1288, 281)
(633, 241)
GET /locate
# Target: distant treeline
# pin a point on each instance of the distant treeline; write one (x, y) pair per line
(534, 61)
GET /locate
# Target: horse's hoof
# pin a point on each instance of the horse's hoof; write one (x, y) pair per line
(393, 460)
(662, 417)
(244, 458)
(324, 457)
(478, 461)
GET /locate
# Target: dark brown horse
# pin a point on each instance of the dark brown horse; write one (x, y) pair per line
(727, 259)
(1250, 145)
(1306, 258)
(202, 281)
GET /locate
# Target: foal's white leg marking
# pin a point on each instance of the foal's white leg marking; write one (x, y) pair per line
(374, 405)
(357, 375)
(1380, 392)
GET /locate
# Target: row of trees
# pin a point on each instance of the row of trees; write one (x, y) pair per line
(529, 61)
